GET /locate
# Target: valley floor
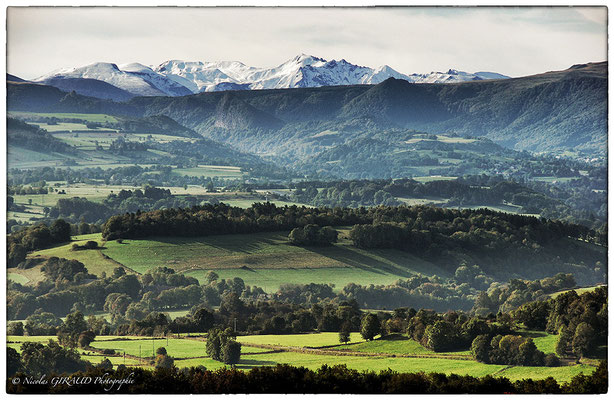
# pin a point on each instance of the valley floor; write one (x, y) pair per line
(398, 353)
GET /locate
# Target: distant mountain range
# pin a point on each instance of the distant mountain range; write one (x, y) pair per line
(551, 112)
(179, 78)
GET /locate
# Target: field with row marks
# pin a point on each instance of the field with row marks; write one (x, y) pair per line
(211, 171)
(267, 259)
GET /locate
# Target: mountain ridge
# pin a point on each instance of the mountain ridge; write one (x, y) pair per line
(180, 78)
(550, 112)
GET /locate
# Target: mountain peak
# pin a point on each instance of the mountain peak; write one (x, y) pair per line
(179, 77)
(135, 67)
(306, 59)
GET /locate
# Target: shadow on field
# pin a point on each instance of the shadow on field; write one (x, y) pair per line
(249, 363)
(358, 260)
(393, 336)
(534, 334)
(237, 243)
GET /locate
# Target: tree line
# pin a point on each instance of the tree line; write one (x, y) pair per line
(326, 379)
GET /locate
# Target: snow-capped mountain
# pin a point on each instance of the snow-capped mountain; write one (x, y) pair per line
(178, 78)
(136, 79)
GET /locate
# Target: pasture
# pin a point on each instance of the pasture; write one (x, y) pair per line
(191, 353)
(299, 340)
(29, 116)
(94, 260)
(398, 344)
(268, 260)
(210, 171)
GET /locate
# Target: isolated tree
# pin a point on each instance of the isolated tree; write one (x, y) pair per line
(344, 332)
(480, 348)
(85, 338)
(15, 329)
(231, 352)
(584, 337)
(369, 326)
(563, 342)
(105, 364)
(441, 336)
(118, 272)
(163, 360)
(222, 346)
(211, 276)
(73, 326)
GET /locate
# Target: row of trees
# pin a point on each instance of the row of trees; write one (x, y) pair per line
(288, 379)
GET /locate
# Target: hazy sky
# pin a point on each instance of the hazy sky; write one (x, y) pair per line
(512, 41)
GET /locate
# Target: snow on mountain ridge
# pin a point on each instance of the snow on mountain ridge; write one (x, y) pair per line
(178, 77)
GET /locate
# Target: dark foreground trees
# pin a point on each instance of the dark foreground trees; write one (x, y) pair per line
(289, 379)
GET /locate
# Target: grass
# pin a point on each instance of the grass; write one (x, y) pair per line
(86, 117)
(146, 347)
(181, 348)
(299, 340)
(423, 179)
(93, 260)
(421, 201)
(561, 374)
(16, 277)
(220, 171)
(553, 179)
(399, 345)
(544, 341)
(579, 291)
(266, 259)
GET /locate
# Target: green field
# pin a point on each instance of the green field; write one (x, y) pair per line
(397, 345)
(423, 179)
(17, 278)
(266, 259)
(86, 117)
(579, 291)
(177, 348)
(440, 138)
(299, 340)
(220, 171)
(192, 353)
(93, 260)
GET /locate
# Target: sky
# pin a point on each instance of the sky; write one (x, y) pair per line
(509, 40)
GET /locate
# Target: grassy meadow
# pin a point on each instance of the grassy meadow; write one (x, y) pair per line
(191, 353)
(268, 260)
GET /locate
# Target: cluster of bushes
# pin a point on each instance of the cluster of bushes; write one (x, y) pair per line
(519, 291)
(77, 209)
(65, 270)
(419, 291)
(510, 350)
(449, 331)
(89, 245)
(222, 346)
(35, 238)
(313, 235)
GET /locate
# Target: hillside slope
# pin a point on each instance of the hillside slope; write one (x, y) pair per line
(551, 112)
